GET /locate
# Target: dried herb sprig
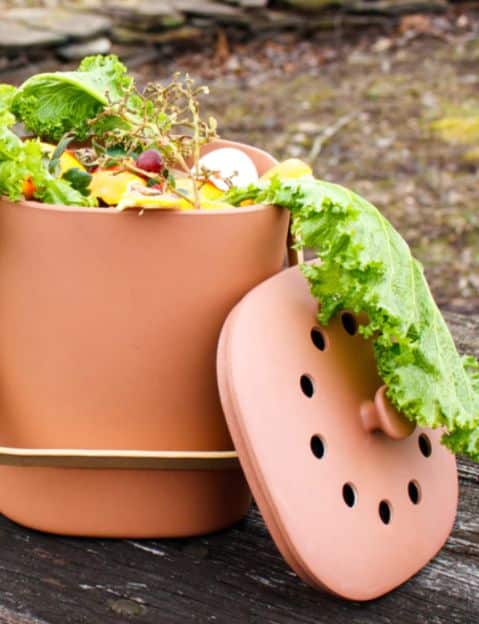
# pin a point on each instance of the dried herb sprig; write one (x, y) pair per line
(165, 118)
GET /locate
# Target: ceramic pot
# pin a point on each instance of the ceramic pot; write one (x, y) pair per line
(109, 330)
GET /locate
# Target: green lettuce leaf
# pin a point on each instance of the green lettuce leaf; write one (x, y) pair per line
(7, 93)
(18, 162)
(52, 104)
(366, 266)
(24, 160)
(59, 191)
(21, 161)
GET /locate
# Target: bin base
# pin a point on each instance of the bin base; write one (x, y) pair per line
(123, 503)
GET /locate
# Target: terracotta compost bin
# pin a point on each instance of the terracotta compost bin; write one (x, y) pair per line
(110, 324)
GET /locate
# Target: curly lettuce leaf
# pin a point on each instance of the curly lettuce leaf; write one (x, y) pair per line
(18, 162)
(25, 161)
(52, 104)
(22, 161)
(7, 93)
(365, 265)
(60, 192)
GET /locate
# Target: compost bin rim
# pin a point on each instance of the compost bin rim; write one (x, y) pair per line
(114, 211)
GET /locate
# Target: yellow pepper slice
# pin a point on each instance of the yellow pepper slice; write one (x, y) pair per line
(288, 169)
(208, 193)
(111, 186)
(67, 159)
(206, 190)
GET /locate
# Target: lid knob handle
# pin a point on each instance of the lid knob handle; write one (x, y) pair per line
(381, 415)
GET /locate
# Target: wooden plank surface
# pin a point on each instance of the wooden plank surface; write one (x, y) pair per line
(233, 577)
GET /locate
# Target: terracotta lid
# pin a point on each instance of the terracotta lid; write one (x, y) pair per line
(356, 498)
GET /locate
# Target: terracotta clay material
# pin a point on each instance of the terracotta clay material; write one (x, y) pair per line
(109, 329)
(354, 508)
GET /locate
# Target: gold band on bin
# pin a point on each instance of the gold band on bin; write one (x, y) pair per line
(119, 459)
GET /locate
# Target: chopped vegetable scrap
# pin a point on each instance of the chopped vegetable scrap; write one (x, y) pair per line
(98, 140)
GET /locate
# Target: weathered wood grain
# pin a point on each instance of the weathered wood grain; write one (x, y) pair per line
(233, 577)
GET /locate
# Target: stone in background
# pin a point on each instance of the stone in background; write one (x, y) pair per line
(71, 29)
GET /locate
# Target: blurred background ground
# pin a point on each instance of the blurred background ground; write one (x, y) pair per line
(382, 96)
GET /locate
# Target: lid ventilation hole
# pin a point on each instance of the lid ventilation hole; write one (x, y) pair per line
(414, 492)
(349, 323)
(307, 385)
(318, 339)
(349, 494)
(425, 445)
(385, 511)
(318, 448)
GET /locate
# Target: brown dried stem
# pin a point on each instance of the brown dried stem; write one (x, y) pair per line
(166, 118)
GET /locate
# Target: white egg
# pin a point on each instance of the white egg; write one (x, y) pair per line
(231, 163)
